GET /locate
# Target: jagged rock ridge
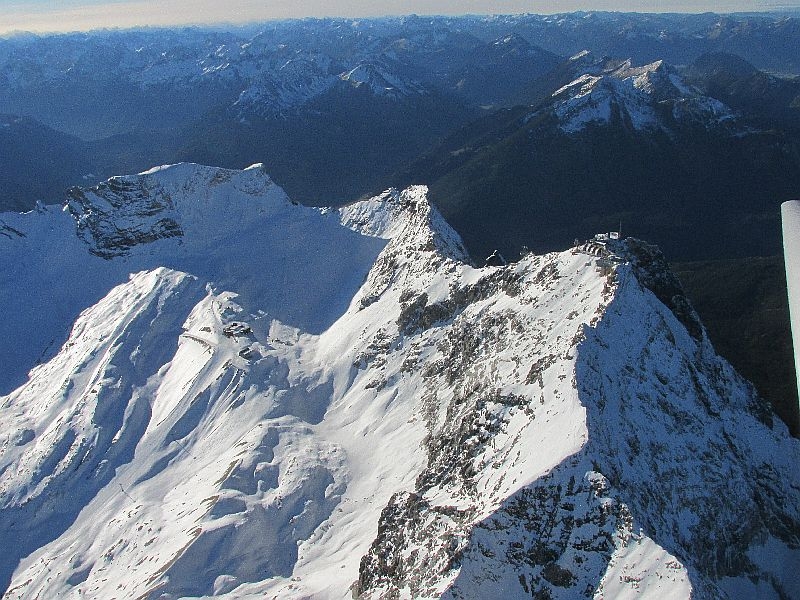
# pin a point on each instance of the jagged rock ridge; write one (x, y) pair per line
(294, 402)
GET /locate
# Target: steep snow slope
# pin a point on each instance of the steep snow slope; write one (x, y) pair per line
(291, 402)
(49, 276)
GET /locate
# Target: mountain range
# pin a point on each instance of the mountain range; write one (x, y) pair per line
(300, 373)
(643, 145)
(232, 394)
(236, 96)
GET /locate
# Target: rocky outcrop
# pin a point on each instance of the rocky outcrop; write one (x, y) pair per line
(122, 213)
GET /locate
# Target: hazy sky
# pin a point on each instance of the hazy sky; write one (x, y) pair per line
(70, 15)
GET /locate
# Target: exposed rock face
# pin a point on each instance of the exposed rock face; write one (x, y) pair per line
(648, 388)
(334, 403)
(112, 224)
(129, 211)
(651, 269)
(99, 212)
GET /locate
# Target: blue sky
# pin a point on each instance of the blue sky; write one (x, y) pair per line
(69, 15)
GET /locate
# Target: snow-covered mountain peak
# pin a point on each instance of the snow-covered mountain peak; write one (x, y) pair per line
(332, 403)
(408, 217)
(650, 96)
(418, 239)
(206, 205)
(199, 203)
(646, 78)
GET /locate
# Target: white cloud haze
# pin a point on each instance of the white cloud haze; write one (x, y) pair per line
(73, 15)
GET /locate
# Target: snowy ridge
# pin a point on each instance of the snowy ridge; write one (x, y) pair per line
(644, 97)
(172, 201)
(408, 217)
(334, 403)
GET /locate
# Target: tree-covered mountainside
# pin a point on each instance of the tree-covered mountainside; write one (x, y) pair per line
(743, 305)
(698, 195)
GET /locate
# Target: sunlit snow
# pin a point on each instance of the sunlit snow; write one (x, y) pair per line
(230, 394)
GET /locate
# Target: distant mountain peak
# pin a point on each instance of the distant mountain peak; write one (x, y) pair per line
(723, 62)
(513, 43)
(649, 96)
(379, 79)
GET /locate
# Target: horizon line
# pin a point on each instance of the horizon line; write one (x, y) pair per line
(785, 11)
